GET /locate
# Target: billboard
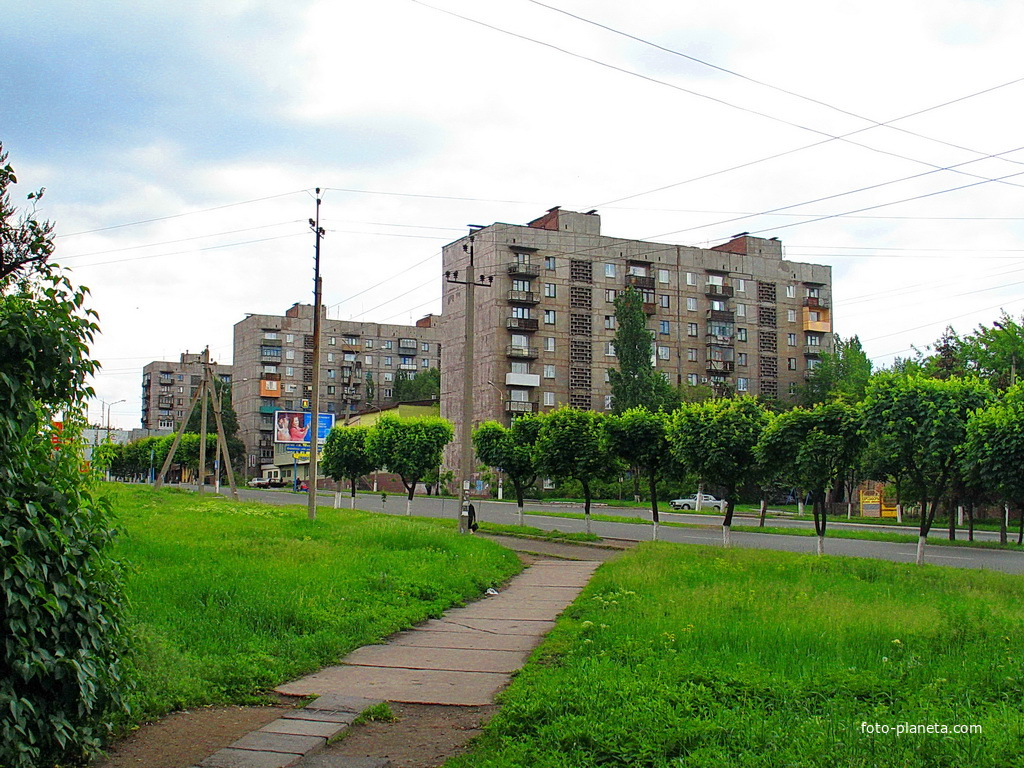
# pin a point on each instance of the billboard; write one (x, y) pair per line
(294, 426)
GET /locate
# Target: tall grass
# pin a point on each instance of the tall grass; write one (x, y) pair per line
(229, 599)
(698, 656)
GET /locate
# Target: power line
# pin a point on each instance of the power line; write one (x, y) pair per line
(387, 279)
(194, 250)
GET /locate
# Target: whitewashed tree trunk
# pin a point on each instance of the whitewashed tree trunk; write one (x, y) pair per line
(800, 504)
(352, 501)
(899, 514)
(700, 496)
(960, 515)
(726, 536)
(337, 499)
(821, 545)
(521, 515)
(588, 523)
(849, 510)
(920, 549)
(654, 536)
(408, 505)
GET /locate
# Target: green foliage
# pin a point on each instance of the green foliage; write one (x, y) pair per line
(703, 657)
(60, 673)
(569, 446)
(842, 374)
(513, 450)
(424, 385)
(636, 382)
(639, 438)
(994, 447)
(346, 455)
(411, 448)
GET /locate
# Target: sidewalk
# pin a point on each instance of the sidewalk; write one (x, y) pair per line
(462, 659)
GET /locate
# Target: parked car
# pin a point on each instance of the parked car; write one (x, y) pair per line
(259, 482)
(707, 500)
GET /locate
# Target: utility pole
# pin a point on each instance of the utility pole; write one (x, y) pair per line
(1012, 334)
(314, 427)
(466, 427)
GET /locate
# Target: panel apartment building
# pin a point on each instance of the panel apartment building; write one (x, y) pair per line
(273, 363)
(736, 316)
(168, 388)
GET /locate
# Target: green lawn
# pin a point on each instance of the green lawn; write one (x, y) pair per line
(698, 656)
(230, 599)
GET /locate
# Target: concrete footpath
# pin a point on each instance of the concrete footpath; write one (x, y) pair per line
(461, 659)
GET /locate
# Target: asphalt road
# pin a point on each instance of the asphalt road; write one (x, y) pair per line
(505, 512)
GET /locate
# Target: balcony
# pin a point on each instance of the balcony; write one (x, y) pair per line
(721, 341)
(719, 291)
(814, 302)
(813, 350)
(520, 406)
(523, 297)
(522, 379)
(650, 308)
(269, 408)
(407, 343)
(527, 353)
(720, 366)
(522, 323)
(640, 282)
(722, 315)
(524, 268)
(407, 367)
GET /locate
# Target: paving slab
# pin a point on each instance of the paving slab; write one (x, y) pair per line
(341, 703)
(514, 608)
(455, 659)
(244, 758)
(531, 627)
(296, 727)
(467, 639)
(409, 686)
(342, 718)
(279, 742)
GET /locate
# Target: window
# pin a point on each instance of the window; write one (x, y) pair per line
(330, 373)
(351, 341)
(609, 295)
(741, 334)
(691, 329)
(691, 379)
(406, 360)
(812, 363)
(387, 360)
(791, 339)
(270, 352)
(521, 285)
(791, 315)
(289, 354)
(349, 357)
(664, 327)
(549, 343)
(331, 341)
(389, 344)
(637, 269)
(388, 393)
(289, 371)
(289, 388)
(814, 316)
(609, 270)
(790, 291)
(741, 310)
(741, 285)
(718, 305)
(663, 276)
(609, 321)
(549, 317)
(424, 362)
(813, 293)
(331, 389)
(691, 305)
(691, 278)
(425, 346)
(609, 349)
(519, 366)
(518, 395)
(549, 290)
(270, 335)
(368, 343)
(369, 360)
(549, 262)
(691, 355)
(608, 402)
(549, 398)
(715, 280)
(663, 353)
(791, 363)
(742, 384)
(520, 340)
(665, 301)
(741, 358)
(549, 371)
(522, 313)
(607, 377)
(330, 357)
(813, 340)
(388, 376)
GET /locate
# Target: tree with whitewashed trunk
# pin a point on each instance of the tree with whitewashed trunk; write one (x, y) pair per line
(925, 423)
(411, 448)
(512, 450)
(347, 457)
(715, 440)
(638, 437)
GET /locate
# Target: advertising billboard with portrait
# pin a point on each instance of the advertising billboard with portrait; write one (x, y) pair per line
(294, 427)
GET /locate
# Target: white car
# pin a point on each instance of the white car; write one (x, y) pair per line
(707, 501)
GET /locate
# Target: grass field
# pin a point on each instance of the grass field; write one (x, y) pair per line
(698, 656)
(230, 599)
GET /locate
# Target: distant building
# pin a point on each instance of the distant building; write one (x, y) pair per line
(273, 370)
(737, 317)
(168, 388)
(93, 436)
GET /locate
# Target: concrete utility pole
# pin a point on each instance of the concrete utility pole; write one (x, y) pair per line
(314, 427)
(466, 427)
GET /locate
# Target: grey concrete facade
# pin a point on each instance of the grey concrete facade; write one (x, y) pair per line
(168, 387)
(737, 317)
(273, 363)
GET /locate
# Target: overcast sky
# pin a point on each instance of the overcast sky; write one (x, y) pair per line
(179, 144)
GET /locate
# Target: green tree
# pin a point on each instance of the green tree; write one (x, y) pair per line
(425, 385)
(638, 437)
(842, 374)
(371, 388)
(636, 382)
(411, 448)
(347, 457)
(924, 422)
(61, 679)
(513, 450)
(569, 448)
(716, 439)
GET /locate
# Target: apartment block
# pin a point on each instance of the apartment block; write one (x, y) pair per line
(360, 362)
(168, 388)
(737, 317)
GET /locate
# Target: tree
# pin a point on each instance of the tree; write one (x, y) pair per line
(346, 456)
(371, 387)
(638, 437)
(512, 449)
(569, 447)
(716, 439)
(60, 605)
(636, 382)
(813, 449)
(410, 448)
(425, 385)
(842, 374)
(924, 422)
